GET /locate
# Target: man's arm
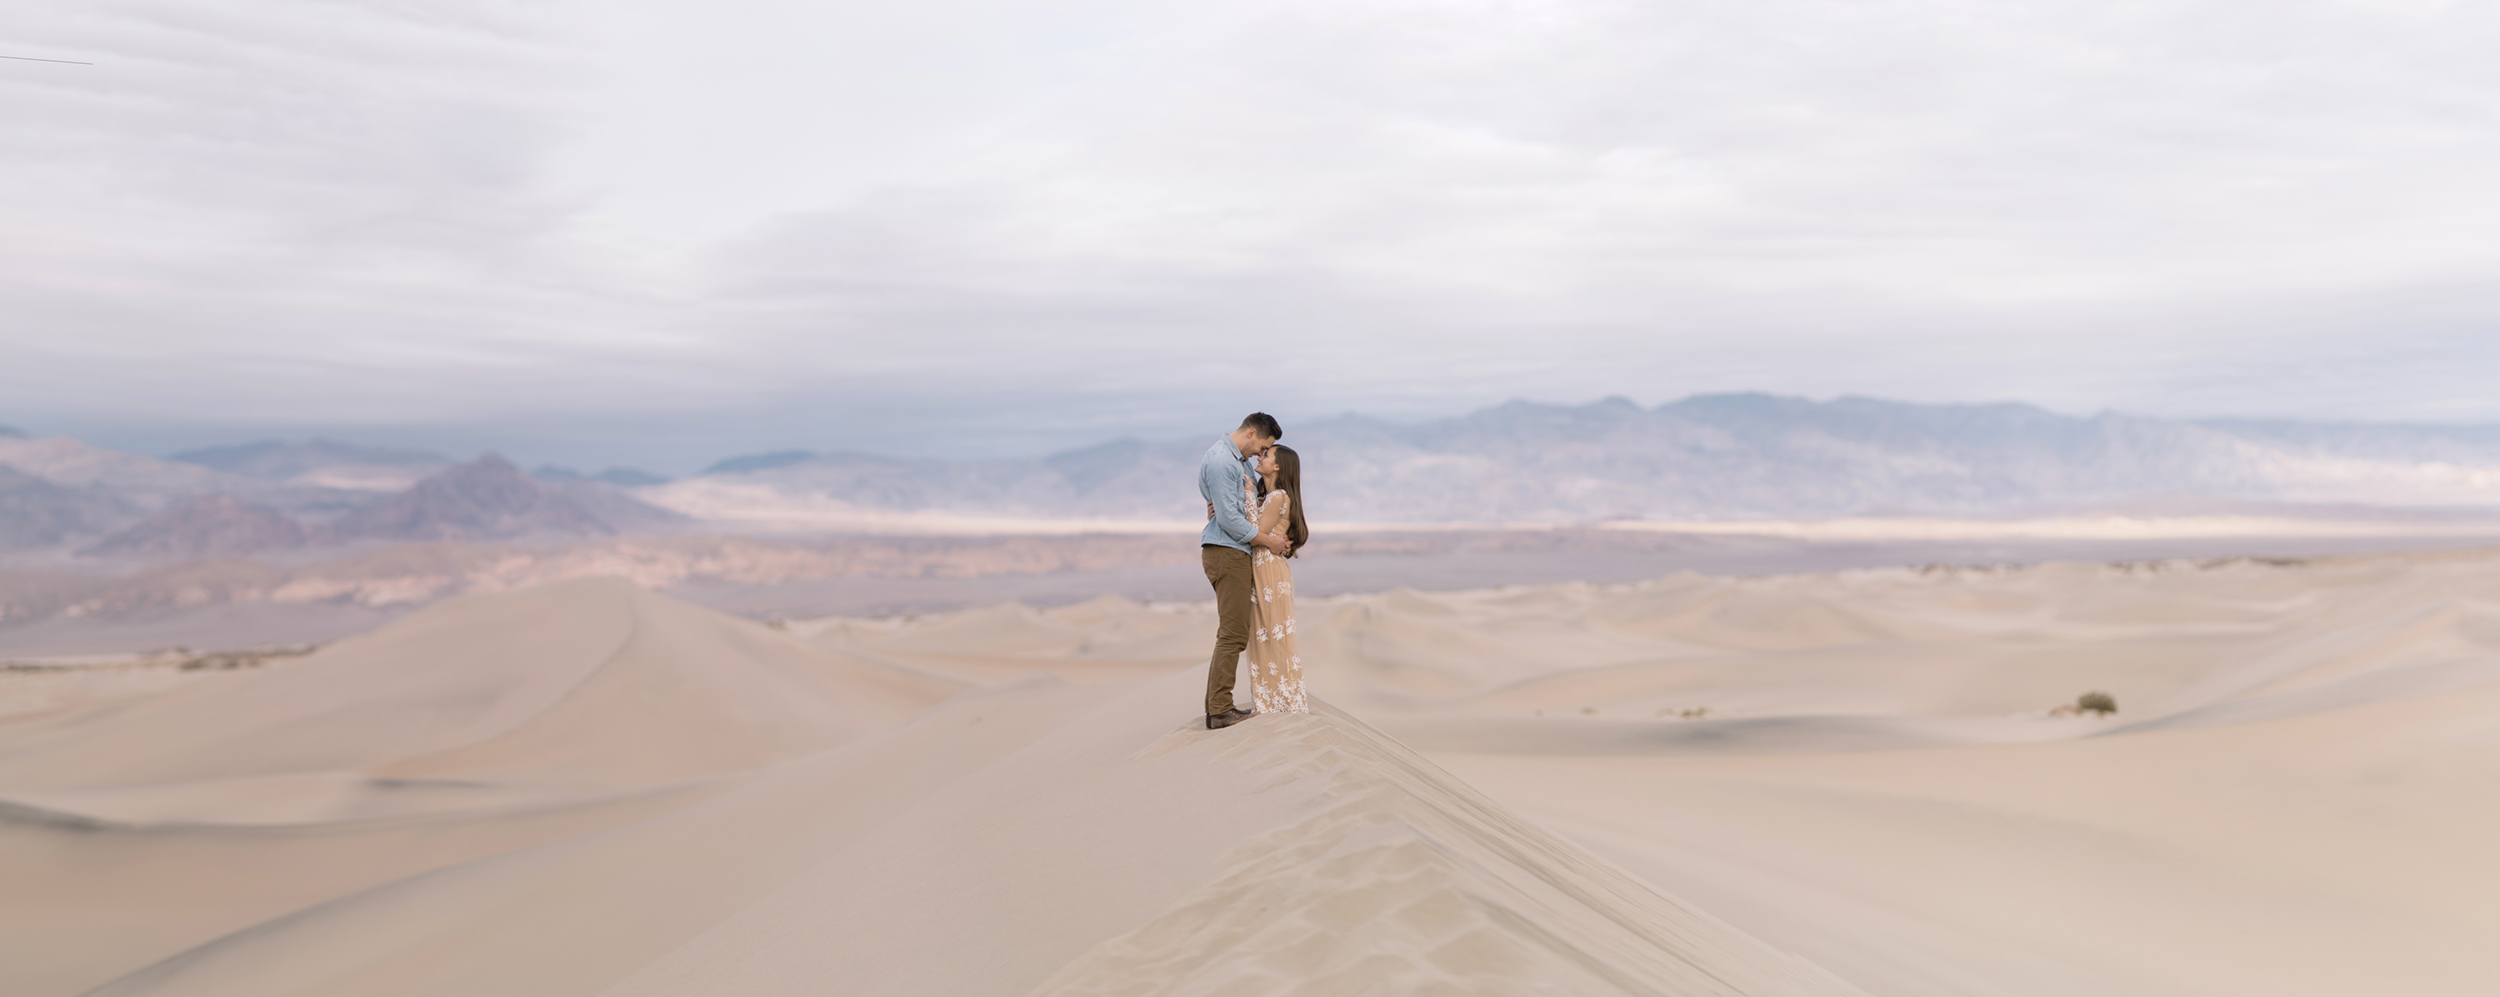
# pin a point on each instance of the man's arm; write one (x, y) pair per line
(1214, 484)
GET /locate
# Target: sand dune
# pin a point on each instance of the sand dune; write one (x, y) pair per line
(584, 788)
(1811, 784)
(2292, 799)
(2335, 853)
(577, 688)
(1042, 839)
(138, 828)
(1911, 645)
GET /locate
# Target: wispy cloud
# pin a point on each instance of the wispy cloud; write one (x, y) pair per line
(1094, 217)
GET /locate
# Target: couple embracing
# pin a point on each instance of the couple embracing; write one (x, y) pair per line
(1253, 488)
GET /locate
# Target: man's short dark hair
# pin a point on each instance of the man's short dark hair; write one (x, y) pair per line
(1264, 424)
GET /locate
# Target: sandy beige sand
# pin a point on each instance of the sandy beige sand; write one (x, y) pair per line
(1813, 784)
(584, 788)
(2293, 799)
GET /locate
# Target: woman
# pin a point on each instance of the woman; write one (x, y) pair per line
(1275, 663)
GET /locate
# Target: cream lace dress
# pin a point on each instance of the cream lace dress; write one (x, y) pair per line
(1275, 662)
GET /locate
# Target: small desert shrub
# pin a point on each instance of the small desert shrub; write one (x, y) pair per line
(2096, 702)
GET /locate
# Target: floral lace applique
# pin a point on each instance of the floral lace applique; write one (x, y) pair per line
(1275, 660)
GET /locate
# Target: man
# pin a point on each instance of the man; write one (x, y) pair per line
(1225, 548)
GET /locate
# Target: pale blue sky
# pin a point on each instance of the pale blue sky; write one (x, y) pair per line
(655, 232)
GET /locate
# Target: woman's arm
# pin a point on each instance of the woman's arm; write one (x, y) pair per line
(1271, 514)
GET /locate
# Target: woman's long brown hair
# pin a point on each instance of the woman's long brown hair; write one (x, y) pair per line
(1289, 481)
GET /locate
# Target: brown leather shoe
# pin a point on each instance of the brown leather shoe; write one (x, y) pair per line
(1219, 721)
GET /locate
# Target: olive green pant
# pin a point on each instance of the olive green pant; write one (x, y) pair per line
(1229, 571)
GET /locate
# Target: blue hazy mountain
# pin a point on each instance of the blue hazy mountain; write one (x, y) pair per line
(490, 499)
(279, 460)
(759, 462)
(621, 477)
(1704, 457)
(35, 512)
(1741, 456)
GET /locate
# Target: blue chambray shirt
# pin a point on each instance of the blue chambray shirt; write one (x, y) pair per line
(1220, 479)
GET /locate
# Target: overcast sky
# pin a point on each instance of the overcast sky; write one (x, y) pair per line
(659, 232)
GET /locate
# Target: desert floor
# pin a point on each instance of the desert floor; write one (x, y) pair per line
(1827, 783)
(100, 606)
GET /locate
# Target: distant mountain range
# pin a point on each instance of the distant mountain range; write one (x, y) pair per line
(489, 499)
(265, 498)
(205, 526)
(622, 477)
(1743, 456)
(1738, 456)
(35, 512)
(320, 463)
(332, 464)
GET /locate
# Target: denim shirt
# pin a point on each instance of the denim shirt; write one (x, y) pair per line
(1221, 477)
